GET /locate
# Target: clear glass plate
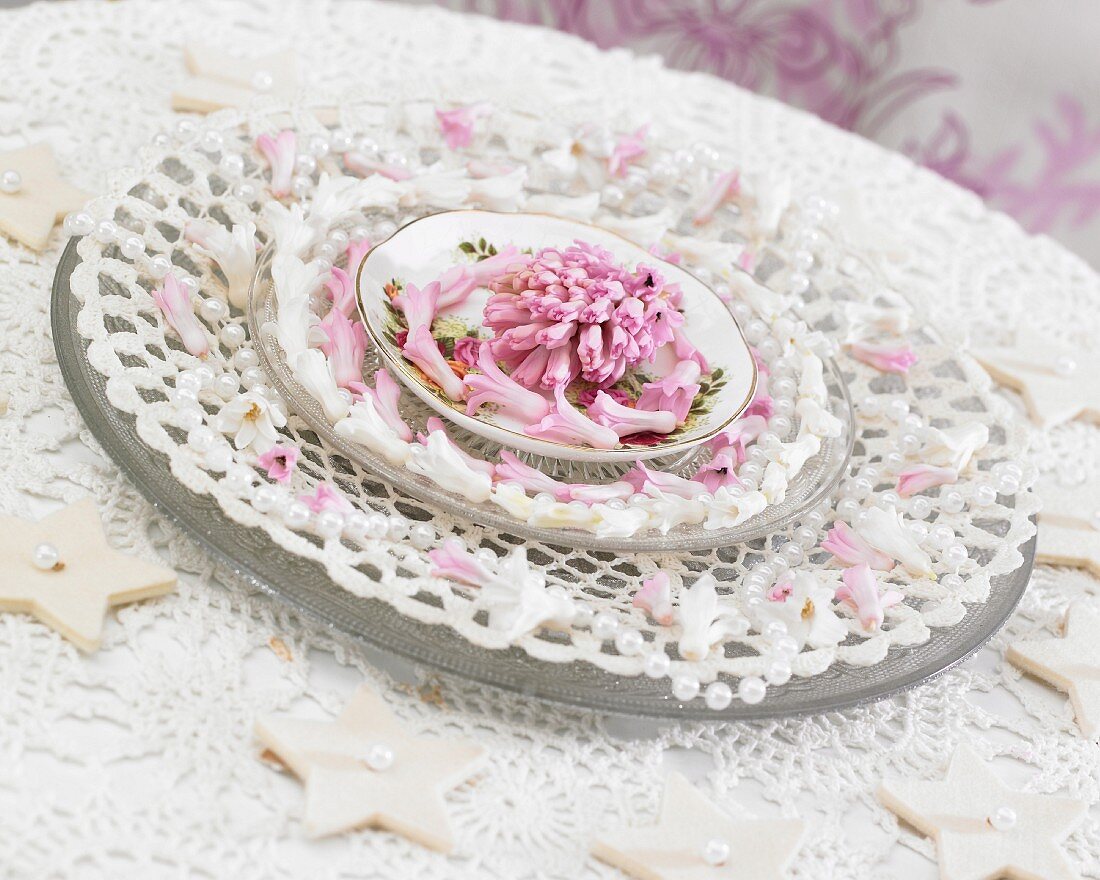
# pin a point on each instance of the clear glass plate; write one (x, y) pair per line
(818, 478)
(372, 623)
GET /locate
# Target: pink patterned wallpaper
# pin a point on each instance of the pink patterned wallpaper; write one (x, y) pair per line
(1001, 96)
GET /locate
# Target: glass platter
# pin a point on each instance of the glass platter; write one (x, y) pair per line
(304, 586)
(813, 483)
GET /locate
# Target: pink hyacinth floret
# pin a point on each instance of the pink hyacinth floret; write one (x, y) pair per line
(326, 497)
(919, 477)
(344, 347)
(734, 439)
(341, 290)
(884, 358)
(419, 305)
(566, 424)
(850, 549)
(457, 126)
(860, 592)
(458, 282)
(655, 598)
(627, 420)
(280, 152)
(279, 462)
(174, 301)
(355, 252)
(627, 150)
(451, 561)
(512, 470)
(726, 186)
(422, 350)
(644, 480)
(436, 425)
(675, 392)
(386, 395)
(575, 311)
(493, 386)
(719, 472)
(466, 350)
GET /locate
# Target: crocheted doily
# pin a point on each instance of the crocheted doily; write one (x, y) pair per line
(987, 512)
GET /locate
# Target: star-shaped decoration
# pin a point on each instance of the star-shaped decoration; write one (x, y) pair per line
(33, 197)
(1069, 527)
(219, 80)
(694, 840)
(365, 769)
(983, 829)
(1070, 663)
(62, 570)
(1056, 385)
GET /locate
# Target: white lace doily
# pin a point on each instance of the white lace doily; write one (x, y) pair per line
(141, 757)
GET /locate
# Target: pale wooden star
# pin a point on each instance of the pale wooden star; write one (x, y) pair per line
(43, 197)
(1050, 398)
(73, 599)
(221, 80)
(1067, 535)
(961, 812)
(342, 789)
(675, 848)
(1070, 663)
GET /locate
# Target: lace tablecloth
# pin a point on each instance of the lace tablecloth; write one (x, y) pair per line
(139, 761)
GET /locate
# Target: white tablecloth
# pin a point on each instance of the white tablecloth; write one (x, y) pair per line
(139, 761)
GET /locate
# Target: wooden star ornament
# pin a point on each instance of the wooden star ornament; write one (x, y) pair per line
(366, 770)
(1070, 663)
(33, 197)
(218, 79)
(983, 829)
(1069, 527)
(694, 840)
(62, 570)
(1056, 385)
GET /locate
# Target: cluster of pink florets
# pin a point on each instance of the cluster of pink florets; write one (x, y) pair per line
(564, 313)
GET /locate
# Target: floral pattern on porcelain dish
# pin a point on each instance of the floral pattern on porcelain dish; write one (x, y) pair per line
(669, 397)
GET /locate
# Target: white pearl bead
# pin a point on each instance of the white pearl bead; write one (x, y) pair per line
(319, 145)
(985, 496)
(718, 695)
(952, 502)
(188, 418)
(233, 335)
(263, 81)
(46, 557)
(398, 527)
(79, 223)
(1003, 818)
(786, 647)
(920, 507)
(1065, 366)
(265, 498)
(190, 381)
(105, 231)
(246, 191)
(189, 284)
(296, 515)
(716, 852)
(213, 309)
(159, 266)
(657, 664)
(955, 555)
(252, 377)
(202, 439)
(305, 164)
(752, 690)
(329, 523)
(226, 385)
(379, 757)
(377, 526)
(774, 629)
(778, 671)
(897, 409)
(355, 525)
(629, 642)
(232, 164)
(799, 282)
(685, 687)
(132, 247)
(219, 458)
(605, 626)
(238, 478)
(11, 181)
(245, 358)
(422, 535)
(211, 141)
